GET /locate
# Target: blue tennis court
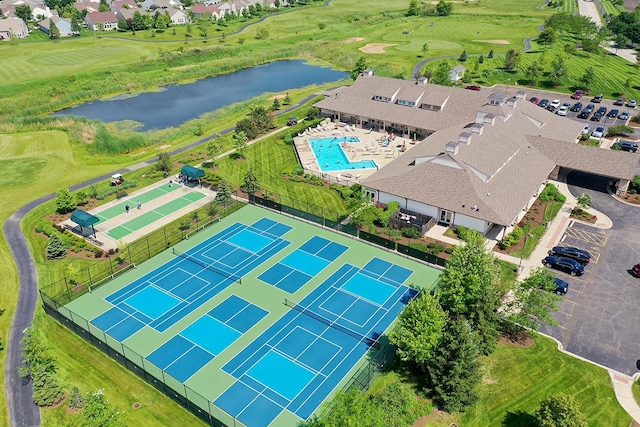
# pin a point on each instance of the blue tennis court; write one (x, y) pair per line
(259, 320)
(169, 293)
(296, 363)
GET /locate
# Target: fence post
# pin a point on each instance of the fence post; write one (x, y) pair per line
(110, 266)
(129, 253)
(148, 249)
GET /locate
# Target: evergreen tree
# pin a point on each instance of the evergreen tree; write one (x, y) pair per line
(413, 8)
(164, 163)
(481, 59)
(463, 56)
(425, 49)
(512, 59)
(23, 11)
(490, 54)
(276, 104)
(122, 24)
(250, 183)
(76, 401)
(260, 116)
(359, 68)
(287, 99)
(138, 22)
(223, 197)
(54, 32)
(56, 247)
(65, 202)
(75, 27)
(454, 372)
(444, 8)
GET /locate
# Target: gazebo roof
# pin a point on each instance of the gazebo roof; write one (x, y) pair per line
(192, 172)
(84, 219)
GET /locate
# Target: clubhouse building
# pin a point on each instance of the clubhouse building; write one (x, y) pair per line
(482, 157)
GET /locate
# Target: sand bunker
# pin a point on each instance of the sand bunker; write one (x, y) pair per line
(353, 40)
(493, 41)
(375, 47)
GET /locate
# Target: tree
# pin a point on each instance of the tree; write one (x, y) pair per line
(103, 6)
(75, 27)
(65, 202)
(588, 77)
(413, 8)
(76, 401)
(547, 37)
(532, 72)
(559, 71)
(468, 288)
(353, 409)
(444, 8)
(359, 68)
(287, 99)
(122, 24)
(54, 32)
(97, 412)
(276, 104)
(261, 34)
(584, 201)
(425, 49)
(512, 59)
(419, 329)
(481, 59)
(398, 403)
(490, 55)
(533, 300)
(23, 11)
(138, 22)
(250, 184)
(223, 197)
(249, 128)
(463, 56)
(56, 247)
(621, 41)
(260, 116)
(560, 410)
(619, 130)
(39, 366)
(240, 142)
(164, 163)
(441, 75)
(213, 148)
(454, 370)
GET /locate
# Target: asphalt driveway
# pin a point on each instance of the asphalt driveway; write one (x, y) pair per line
(599, 316)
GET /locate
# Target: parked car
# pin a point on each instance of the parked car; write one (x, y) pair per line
(624, 115)
(597, 116)
(597, 98)
(576, 107)
(629, 146)
(543, 103)
(636, 270)
(586, 129)
(550, 107)
(534, 100)
(473, 87)
(598, 132)
(613, 113)
(579, 255)
(577, 94)
(584, 114)
(602, 110)
(569, 265)
(555, 103)
(590, 107)
(632, 103)
(562, 111)
(619, 101)
(562, 287)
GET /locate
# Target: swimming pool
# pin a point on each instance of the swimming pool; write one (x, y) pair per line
(331, 157)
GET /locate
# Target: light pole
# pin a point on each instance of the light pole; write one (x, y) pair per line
(523, 249)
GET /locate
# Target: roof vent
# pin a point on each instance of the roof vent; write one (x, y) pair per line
(465, 138)
(489, 118)
(452, 148)
(368, 72)
(477, 128)
(521, 94)
(422, 81)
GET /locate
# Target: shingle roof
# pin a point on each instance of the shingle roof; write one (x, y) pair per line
(504, 148)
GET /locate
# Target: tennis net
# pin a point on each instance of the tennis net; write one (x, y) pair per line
(209, 267)
(332, 324)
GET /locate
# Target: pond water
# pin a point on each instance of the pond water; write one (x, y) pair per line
(177, 104)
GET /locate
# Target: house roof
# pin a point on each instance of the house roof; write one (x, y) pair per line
(489, 153)
(102, 17)
(84, 219)
(12, 25)
(458, 68)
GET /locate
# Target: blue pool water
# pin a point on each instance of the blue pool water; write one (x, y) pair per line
(331, 156)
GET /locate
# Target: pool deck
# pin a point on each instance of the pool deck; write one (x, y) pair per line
(372, 146)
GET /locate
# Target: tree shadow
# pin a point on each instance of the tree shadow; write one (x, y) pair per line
(518, 419)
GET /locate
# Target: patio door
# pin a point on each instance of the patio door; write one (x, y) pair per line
(446, 216)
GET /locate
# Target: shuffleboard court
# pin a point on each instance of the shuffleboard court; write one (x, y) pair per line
(145, 197)
(258, 320)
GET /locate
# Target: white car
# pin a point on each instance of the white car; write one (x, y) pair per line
(555, 103)
(632, 103)
(586, 129)
(598, 132)
(562, 111)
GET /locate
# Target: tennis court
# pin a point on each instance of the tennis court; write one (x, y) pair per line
(261, 315)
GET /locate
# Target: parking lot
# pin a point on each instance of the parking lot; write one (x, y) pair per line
(598, 316)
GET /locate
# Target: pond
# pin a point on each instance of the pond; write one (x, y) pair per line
(177, 104)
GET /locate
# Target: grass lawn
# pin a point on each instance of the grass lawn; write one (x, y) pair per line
(517, 379)
(636, 391)
(508, 274)
(591, 142)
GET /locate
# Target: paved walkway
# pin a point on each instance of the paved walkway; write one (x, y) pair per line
(588, 8)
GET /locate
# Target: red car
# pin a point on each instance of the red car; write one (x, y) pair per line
(636, 270)
(577, 94)
(473, 87)
(534, 100)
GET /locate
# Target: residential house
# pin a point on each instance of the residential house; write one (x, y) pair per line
(90, 7)
(63, 25)
(456, 73)
(485, 158)
(161, 4)
(116, 5)
(127, 14)
(13, 27)
(177, 16)
(200, 10)
(101, 21)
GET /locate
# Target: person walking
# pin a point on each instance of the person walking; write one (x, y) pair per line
(139, 204)
(126, 208)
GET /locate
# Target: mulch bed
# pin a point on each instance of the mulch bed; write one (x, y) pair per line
(57, 218)
(523, 341)
(583, 216)
(630, 198)
(423, 241)
(533, 217)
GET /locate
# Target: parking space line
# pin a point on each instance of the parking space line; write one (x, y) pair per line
(587, 236)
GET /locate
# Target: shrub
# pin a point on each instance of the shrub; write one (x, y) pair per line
(512, 238)
(431, 245)
(549, 193)
(99, 253)
(437, 249)
(619, 130)
(462, 232)
(121, 193)
(560, 198)
(56, 247)
(298, 170)
(288, 139)
(411, 232)
(449, 250)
